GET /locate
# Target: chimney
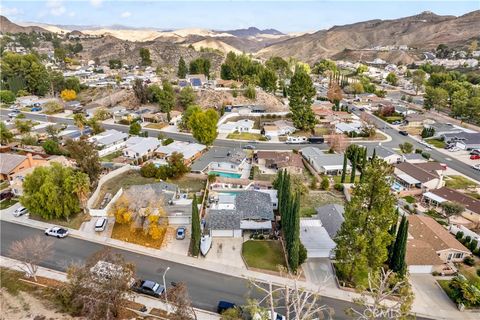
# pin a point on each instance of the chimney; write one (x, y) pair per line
(30, 160)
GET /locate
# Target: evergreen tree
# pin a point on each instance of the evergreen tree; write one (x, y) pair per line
(182, 69)
(364, 164)
(363, 237)
(293, 253)
(301, 93)
(354, 167)
(374, 155)
(393, 233)
(397, 261)
(195, 240)
(344, 170)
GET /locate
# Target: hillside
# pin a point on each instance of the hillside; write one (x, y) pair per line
(7, 26)
(423, 31)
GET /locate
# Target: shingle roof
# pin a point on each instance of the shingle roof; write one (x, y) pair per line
(218, 154)
(427, 229)
(421, 253)
(10, 161)
(281, 159)
(382, 152)
(416, 172)
(320, 158)
(466, 137)
(331, 216)
(455, 196)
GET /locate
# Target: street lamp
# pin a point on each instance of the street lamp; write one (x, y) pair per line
(165, 286)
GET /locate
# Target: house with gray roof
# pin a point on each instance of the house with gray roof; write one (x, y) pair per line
(463, 140)
(138, 147)
(386, 154)
(324, 163)
(109, 141)
(218, 159)
(230, 215)
(443, 128)
(331, 216)
(414, 158)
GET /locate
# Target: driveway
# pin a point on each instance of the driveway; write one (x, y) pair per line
(227, 251)
(171, 244)
(319, 271)
(89, 227)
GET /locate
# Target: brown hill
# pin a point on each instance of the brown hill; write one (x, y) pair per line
(7, 26)
(423, 31)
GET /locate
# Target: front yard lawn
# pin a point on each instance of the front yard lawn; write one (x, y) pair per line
(266, 255)
(7, 203)
(74, 222)
(246, 136)
(409, 199)
(459, 182)
(4, 184)
(436, 143)
(124, 232)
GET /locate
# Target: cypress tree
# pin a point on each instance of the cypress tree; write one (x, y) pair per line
(364, 164)
(293, 253)
(393, 233)
(354, 167)
(182, 68)
(397, 262)
(344, 170)
(195, 240)
(278, 184)
(374, 155)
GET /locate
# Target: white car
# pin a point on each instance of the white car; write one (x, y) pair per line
(476, 167)
(20, 212)
(454, 149)
(56, 232)
(101, 224)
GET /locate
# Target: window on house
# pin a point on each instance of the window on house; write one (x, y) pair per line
(458, 255)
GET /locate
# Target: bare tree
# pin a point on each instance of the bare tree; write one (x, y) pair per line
(387, 297)
(179, 298)
(337, 141)
(30, 252)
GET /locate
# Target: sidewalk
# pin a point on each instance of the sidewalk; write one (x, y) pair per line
(148, 302)
(323, 289)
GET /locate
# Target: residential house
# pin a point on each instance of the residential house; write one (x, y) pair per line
(109, 141)
(73, 132)
(126, 116)
(227, 162)
(271, 161)
(416, 120)
(414, 158)
(11, 164)
(138, 147)
(231, 215)
(332, 218)
(243, 125)
(426, 237)
(190, 151)
(454, 229)
(463, 140)
(347, 127)
(386, 154)
(404, 111)
(196, 80)
(324, 163)
(414, 177)
(436, 197)
(441, 129)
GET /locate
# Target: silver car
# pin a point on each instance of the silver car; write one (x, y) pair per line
(20, 212)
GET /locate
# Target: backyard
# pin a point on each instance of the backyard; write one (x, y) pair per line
(316, 199)
(111, 156)
(193, 184)
(261, 254)
(459, 182)
(246, 136)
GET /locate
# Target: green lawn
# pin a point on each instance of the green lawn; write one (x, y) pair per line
(436, 143)
(246, 136)
(74, 222)
(437, 217)
(338, 179)
(266, 255)
(445, 287)
(7, 203)
(459, 182)
(316, 199)
(4, 184)
(409, 199)
(111, 156)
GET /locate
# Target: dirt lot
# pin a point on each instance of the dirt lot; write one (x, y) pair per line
(211, 98)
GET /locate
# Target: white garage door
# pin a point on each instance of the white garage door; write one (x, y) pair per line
(420, 269)
(179, 220)
(227, 233)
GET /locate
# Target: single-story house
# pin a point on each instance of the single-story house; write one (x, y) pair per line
(190, 150)
(463, 140)
(325, 163)
(11, 164)
(243, 125)
(442, 128)
(426, 234)
(332, 218)
(404, 111)
(73, 132)
(138, 147)
(386, 154)
(436, 197)
(316, 239)
(109, 141)
(414, 158)
(415, 120)
(454, 229)
(413, 176)
(346, 127)
(221, 160)
(289, 161)
(230, 215)
(278, 128)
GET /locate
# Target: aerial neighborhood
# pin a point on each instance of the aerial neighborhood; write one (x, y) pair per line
(243, 174)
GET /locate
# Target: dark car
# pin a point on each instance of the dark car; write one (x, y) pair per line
(403, 133)
(225, 305)
(6, 195)
(316, 140)
(249, 147)
(78, 110)
(148, 287)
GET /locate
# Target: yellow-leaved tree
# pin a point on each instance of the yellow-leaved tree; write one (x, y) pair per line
(68, 95)
(121, 211)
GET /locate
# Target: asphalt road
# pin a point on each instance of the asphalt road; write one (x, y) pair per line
(206, 288)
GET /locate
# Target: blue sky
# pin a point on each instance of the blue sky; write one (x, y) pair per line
(286, 16)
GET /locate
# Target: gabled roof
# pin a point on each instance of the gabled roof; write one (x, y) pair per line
(383, 152)
(430, 231)
(416, 172)
(455, 196)
(421, 253)
(331, 216)
(10, 161)
(219, 154)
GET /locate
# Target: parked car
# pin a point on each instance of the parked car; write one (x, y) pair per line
(476, 167)
(101, 224)
(6, 195)
(56, 232)
(20, 212)
(181, 233)
(148, 287)
(454, 149)
(225, 305)
(475, 157)
(474, 152)
(78, 110)
(403, 132)
(36, 109)
(249, 147)
(362, 109)
(14, 114)
(316, 140)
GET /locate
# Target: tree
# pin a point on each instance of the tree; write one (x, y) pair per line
(200, 66)
(334, 93)
(301, 93)
(51, 192)
(337, 142)
(184, 124)
(86, 157)
(268, 80)
(250, 92)
(23, 126)
(52, 107)
(344, 169)
(452, 208)
(195, 240)
(406, 147)
(68, 95)
(73, 83)
(418, 79)
(392, 79)
(182, 69)
(60, 54)
(323, 66)
(325, 184)
(203, 125)
(140, 90)
(363, 237)
(361, 69)
(24, 72)
(115, 63)
(135, 129)
(145, 57)
(166, 98)
(397, 260)
(6, 135)
(101, 114)
(7, 96)
(186, 97)
(386, 297)
(80, 121)
(354, 167)
(177, 166)
(30, 252)
(435, 98)
(178, 296)
(98, 289)
(51, 147)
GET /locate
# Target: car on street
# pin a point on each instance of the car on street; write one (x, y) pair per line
(148, 287)
(101, 224)
(55, 231)
(181, 233)
(225, 305)
(361, 109)
(6, 194)
(36, 109)
(249, 147)
(14, 114)
(20, 212)
(475, 157)
(454, 149)
(476, 167)
(403, 132)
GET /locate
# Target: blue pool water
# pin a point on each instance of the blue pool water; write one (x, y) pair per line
(225, 174)
(397, 186)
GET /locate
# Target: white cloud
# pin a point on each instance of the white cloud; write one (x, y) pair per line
(56, 7)
(126, 14)
(10, 11)
(96, 3)
(71, 14)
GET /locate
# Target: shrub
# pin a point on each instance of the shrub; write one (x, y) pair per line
(167, 141)
(325, 184)
(473, 245)
(7, 96)
(52, 107)
(459, 235)
(469, 261)
(149, 170)
(468, 239)
(338, 187)
(302, 254)
(418, 150)
(478, 272)
(426, 155)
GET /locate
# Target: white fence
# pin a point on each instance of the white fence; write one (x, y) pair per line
(104, 212)
(93, 199)
(454, 229)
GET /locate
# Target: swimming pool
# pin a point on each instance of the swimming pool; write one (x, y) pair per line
(397, 186)
(226, 174)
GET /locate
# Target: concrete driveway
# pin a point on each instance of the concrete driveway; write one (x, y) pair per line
(319, 271)
(89, 227)
(227, 251)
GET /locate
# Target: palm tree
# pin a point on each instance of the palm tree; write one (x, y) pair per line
(80, 121)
